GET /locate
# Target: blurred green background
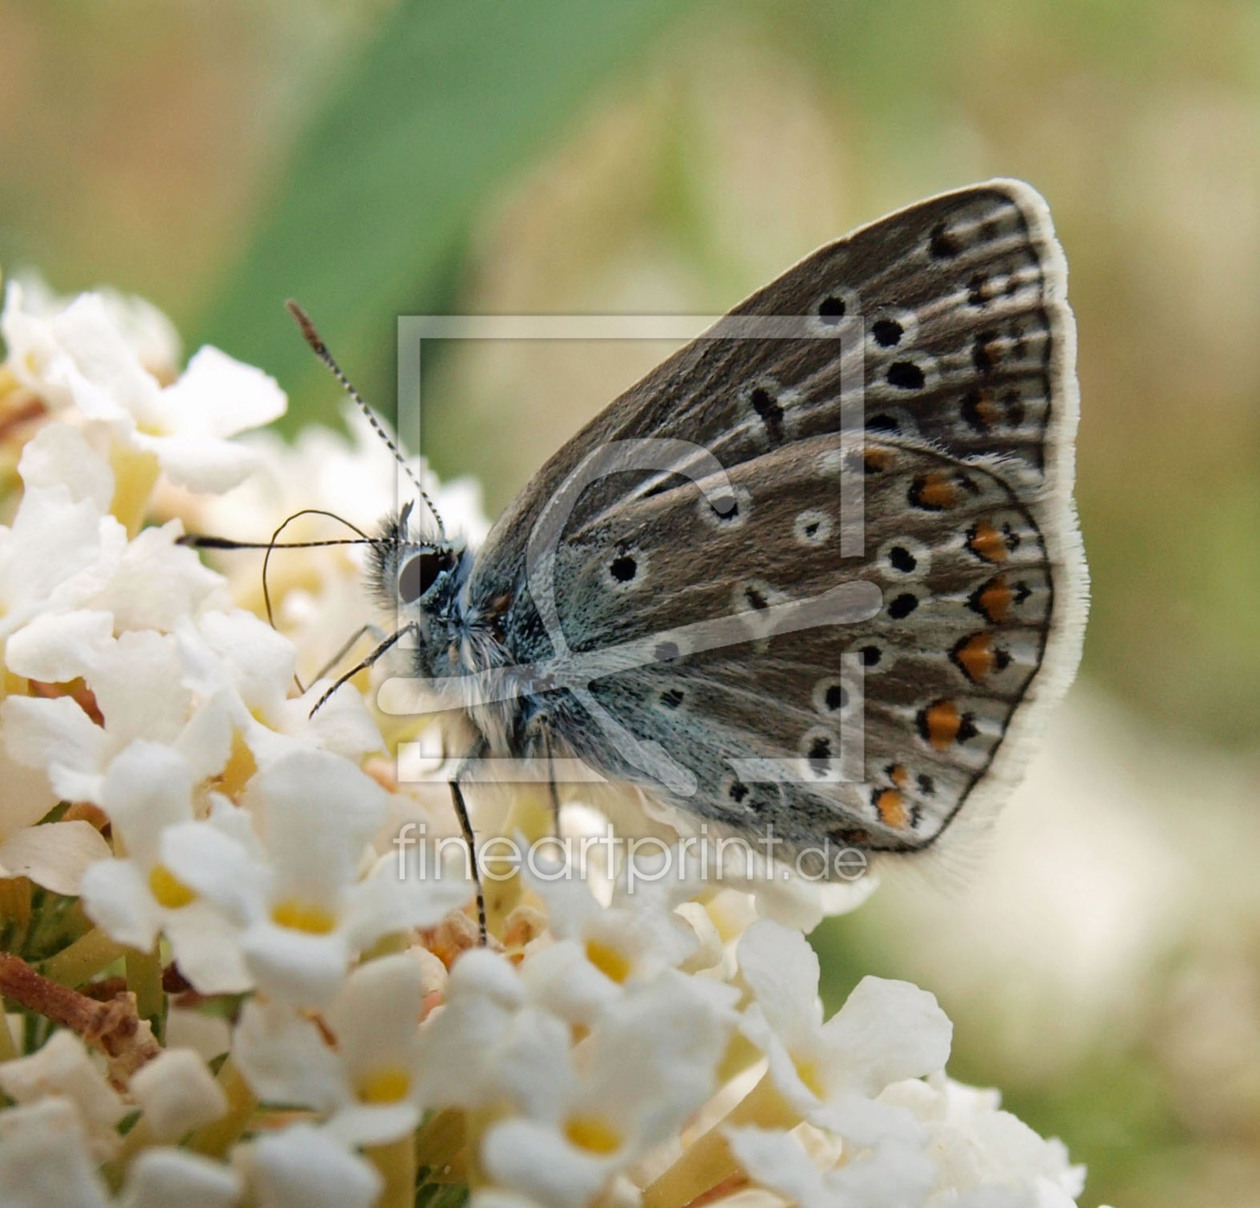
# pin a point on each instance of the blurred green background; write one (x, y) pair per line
(1103, 963)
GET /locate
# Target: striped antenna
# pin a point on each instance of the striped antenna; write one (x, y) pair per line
(312, 337)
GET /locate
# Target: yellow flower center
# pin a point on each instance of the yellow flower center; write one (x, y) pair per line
(610, 961)
(135, 474)
(241, 765)
(807, 1071)
(303, 916)
(167, 889)
(388, 1084)
(593, 1134)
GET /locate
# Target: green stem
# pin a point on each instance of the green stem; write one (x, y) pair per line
(440, 1140)
(82, 960)
(397, 1165)
(144, 980)
(8, 1049)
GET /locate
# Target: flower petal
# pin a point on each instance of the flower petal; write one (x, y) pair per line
(890, 1030)
(54, 855)
(117, 899)
(44, 1161)
(160, 1177)
(781, 969)
(177, 1093)
(299, 1168)
(286, 1059)
(219, 396)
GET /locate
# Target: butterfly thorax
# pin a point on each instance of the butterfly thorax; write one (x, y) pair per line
(455, 645)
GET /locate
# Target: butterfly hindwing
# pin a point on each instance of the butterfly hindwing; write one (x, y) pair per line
(926, 687)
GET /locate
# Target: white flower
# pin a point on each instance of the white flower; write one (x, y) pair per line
(44, 1159)
(306, 1167)
(66, 551)
(157, 583)
(486, 1045)
(360, 1068)
(137, 681)
(62, 548)
(53, 855)
(62, 1067)
(600, 949)
(830, 1072)
(148, 795)
(977, 1145)
(894, 1173)
(80, 357)
(649, 1063)
(177, 1093)
(161, 1177)
(309, 908)
(244, 664)
(147, 331)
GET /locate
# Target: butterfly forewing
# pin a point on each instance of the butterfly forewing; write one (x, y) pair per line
(968, 346)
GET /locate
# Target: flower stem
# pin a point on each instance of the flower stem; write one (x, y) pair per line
(8, 1049)
(709, 1161)
(440, 1140)
(397, 1165)
(15, 900)
(83, 959)
(144, 980)
(112, 1027)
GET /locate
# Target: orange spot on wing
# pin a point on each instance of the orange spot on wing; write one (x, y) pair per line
(941, 723)
(898, 775)
(891, 807)
(994, 599)
(975, 656)
(986, 542)
(876, 460)
(935, 491)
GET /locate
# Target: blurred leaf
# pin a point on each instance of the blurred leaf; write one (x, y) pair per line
(372, 216)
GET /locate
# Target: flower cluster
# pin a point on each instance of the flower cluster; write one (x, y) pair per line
(227, 981)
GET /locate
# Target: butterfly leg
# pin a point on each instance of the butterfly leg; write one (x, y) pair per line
(461, 813)
(466, 829)
(326, 669)
(553, 788)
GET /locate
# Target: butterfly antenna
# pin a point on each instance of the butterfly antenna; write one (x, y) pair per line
(320, 349)
(275, 544)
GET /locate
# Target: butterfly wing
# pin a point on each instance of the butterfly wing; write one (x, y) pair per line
(968, 346)
(868, 725)
(944, 333)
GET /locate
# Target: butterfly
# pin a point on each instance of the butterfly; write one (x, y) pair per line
(819, 571)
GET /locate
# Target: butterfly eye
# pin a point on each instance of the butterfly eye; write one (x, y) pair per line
(419, 573)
